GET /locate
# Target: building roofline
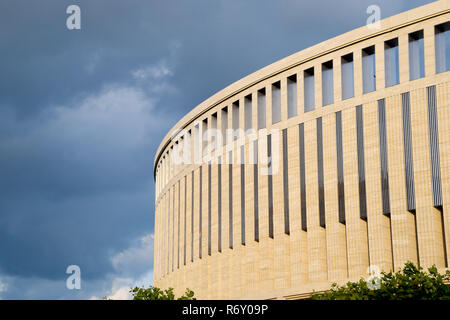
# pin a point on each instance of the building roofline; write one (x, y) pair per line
(360, 34)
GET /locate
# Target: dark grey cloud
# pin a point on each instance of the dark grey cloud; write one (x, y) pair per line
(82, 113)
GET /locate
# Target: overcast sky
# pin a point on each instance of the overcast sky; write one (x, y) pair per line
(82, 113)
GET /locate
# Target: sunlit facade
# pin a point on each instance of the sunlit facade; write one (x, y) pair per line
(318, 168)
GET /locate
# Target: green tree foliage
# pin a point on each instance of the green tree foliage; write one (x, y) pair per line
(154, 293)
(411, 283)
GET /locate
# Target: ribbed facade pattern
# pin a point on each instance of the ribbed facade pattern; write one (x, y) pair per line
(310, 172)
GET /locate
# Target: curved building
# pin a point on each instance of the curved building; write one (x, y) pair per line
(326, 166)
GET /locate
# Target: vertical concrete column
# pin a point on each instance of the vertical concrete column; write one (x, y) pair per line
(270, 249)
(337, 79)
(300, 92)
(269, 106)
(163, 173)
(403, 224)
(169, 166)
(226, 251)
(156, 244)
(241, 118)
(429, 50)
(183, 230)
(175, 239)
(403, 57)
(443, 105)
(176, 228)
(159, 179)
(284, 101)
(266, 262)
(159, 243)
(229, 145)
(429, 224)
(163, 235)
(317, 255)
(157, 183)
(278, 208)
(237, 250)
(203, 277)
(281, 239)
(255, 111)
(378, 224)
(379, 65)
(298, 238)
(189, 214)
(196, 235)
(189, 235)
(336, 247)
(357, 239)
(169, 232)
(254, 227)
(163, 224)
(240, 250)
(222, 139)
(207, 211)
(160, 240)
(172, 237)
(357, 71)
(213, 259)
(318, 86)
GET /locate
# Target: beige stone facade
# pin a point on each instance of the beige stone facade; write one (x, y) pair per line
(361, 182)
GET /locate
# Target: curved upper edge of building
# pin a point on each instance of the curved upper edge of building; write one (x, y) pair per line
(339, 42)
